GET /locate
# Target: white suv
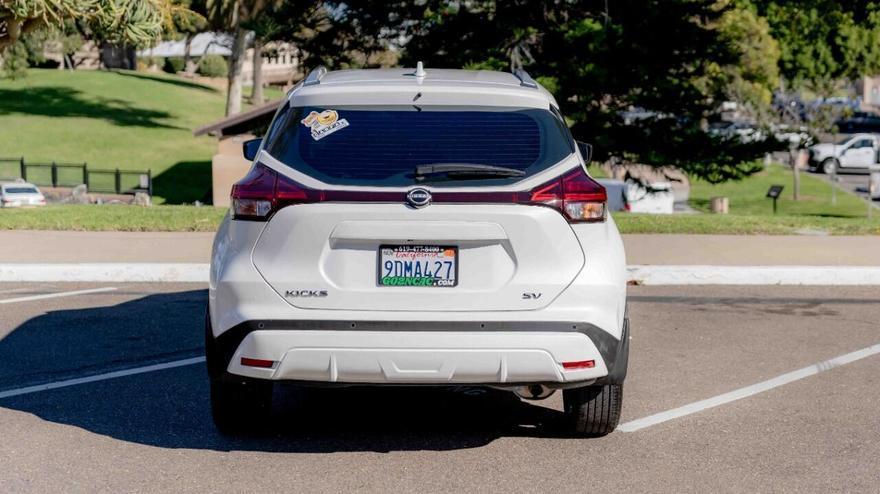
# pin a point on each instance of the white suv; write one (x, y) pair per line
(418, 227)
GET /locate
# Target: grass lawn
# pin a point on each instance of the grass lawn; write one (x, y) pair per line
(752, 213)
(747, 197)
(136, 121)
(87, 217)
(115, 119)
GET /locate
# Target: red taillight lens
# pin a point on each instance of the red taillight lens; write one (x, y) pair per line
(575, 195)
(580, 364)
(257, 362)
(262, 191)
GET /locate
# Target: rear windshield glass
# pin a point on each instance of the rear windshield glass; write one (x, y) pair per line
(384, 145)
(20, 190)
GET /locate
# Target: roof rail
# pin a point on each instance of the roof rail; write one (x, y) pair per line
(525, 79)
(315, 76)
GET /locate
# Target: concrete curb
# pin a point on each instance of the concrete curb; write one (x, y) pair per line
(754, 275)
(637, 274)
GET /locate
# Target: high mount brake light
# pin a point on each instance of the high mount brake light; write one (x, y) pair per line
(579, 198)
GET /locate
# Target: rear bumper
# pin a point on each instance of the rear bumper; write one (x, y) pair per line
(388, 352)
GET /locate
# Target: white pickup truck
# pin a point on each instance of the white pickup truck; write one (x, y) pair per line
(858, 151)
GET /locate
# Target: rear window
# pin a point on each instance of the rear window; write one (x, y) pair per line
(384, 145)
(20, 190)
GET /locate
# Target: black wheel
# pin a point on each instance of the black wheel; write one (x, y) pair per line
(828, 166)
(593, 411)
(238, 404)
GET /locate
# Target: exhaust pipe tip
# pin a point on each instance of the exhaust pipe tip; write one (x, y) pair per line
(534, 392)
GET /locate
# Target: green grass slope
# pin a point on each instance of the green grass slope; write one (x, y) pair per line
(748, 196)
(114, 119)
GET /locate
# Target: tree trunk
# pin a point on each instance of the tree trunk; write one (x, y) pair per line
(236, 60)
(188, 65)
(257, 90)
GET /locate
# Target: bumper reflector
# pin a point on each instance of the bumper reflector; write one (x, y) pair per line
(256, 362)
(581, 364)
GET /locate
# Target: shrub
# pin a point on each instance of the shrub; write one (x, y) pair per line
(173, 65)
(15, 61)
(213, 66)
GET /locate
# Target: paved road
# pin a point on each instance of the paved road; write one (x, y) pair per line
(855, 181)
(152, 431)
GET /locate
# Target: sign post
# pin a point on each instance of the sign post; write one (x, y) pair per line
(774, 193)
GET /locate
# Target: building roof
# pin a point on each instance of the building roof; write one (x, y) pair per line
(241, 123)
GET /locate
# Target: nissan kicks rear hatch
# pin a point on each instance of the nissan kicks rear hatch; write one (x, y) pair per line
(417, 208)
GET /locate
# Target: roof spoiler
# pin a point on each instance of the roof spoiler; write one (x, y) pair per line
(525, 79)
(315, 76)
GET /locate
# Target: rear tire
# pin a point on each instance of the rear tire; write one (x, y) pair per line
(593, 411)
(240, 405)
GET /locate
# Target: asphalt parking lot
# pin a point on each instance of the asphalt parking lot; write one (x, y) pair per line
(855, 181)
(102, 389)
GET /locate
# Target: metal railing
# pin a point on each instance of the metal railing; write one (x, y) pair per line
(57, 174)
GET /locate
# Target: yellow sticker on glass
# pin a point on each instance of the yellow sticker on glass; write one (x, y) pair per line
(324, 123)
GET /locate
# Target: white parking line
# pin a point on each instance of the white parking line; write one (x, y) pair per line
(101, 377)
(57, 294)
(747, 391)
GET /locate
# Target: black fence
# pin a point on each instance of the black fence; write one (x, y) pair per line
(56, 174)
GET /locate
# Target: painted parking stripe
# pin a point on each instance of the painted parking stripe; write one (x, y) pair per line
(101, 377)
(747, 391)
(57, 294)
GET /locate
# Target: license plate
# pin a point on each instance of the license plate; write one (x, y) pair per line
(418, 265)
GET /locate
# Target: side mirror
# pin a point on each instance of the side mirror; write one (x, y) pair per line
(586, 150)
(249, 148)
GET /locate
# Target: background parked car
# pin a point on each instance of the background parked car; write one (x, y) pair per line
(855, 152)
(634, 197)
(859, 122)
(652, 198)
(743, 131)
(18, 194)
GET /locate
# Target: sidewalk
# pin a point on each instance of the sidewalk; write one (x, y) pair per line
(715, 250)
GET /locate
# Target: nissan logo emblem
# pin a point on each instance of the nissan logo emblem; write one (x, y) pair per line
(418, 198)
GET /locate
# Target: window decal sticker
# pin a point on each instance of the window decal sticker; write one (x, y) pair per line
(324, 123)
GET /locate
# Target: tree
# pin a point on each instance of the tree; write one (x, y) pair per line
(233, 16)
(188, 23)
(265, 28)
(131, 22)
(753, 77)
(599, 59)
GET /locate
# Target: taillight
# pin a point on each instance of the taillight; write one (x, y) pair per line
(577, 196)
(263, 190)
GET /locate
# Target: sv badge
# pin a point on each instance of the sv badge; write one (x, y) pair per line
(531, 296)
